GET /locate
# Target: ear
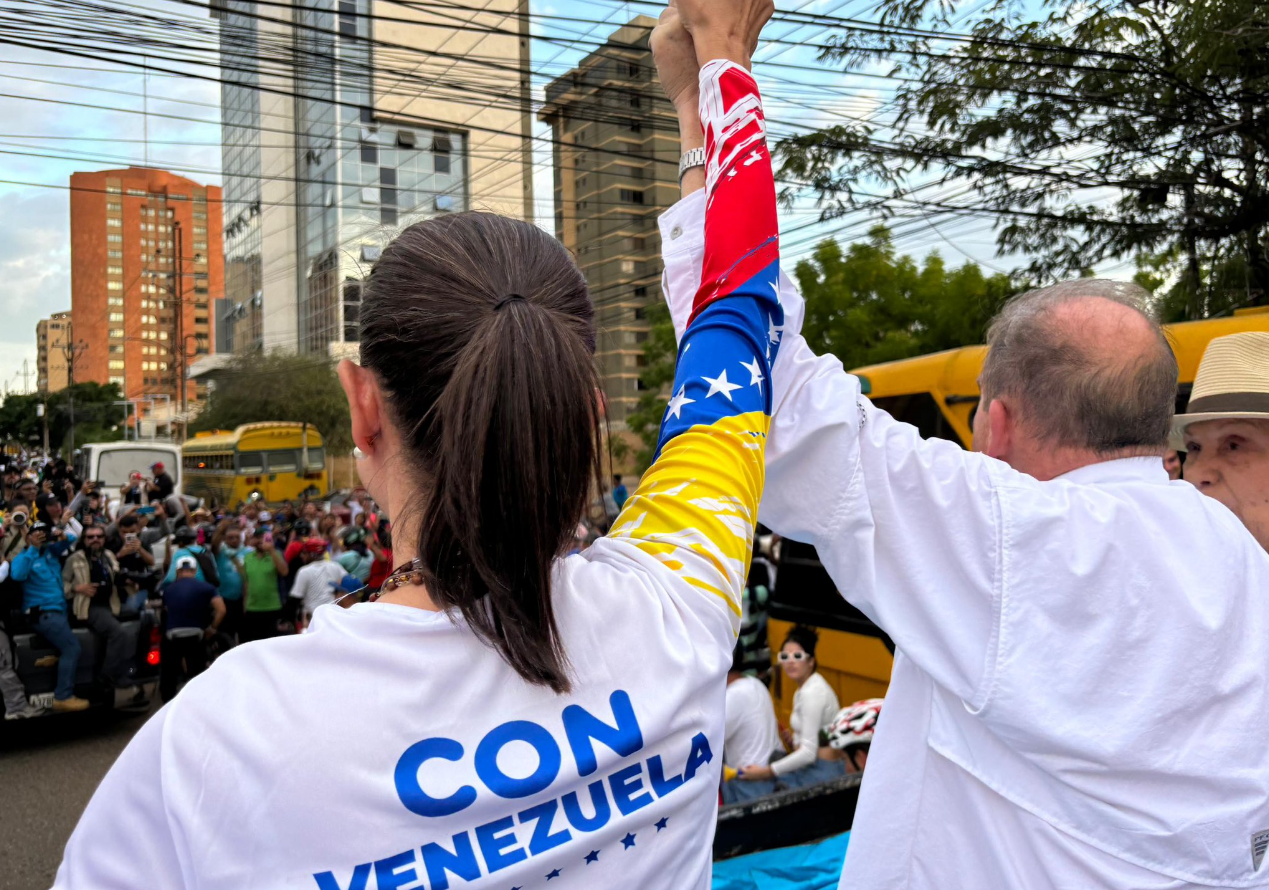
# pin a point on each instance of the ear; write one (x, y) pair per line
(365, 403)
(1001, 429)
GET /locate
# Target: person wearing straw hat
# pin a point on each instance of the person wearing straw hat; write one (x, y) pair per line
(1225, 430)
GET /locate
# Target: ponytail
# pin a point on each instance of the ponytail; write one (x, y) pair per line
(496, 396)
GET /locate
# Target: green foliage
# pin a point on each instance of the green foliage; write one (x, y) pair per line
(659, 352)
(1088, 131)
(864, 304)
(96, 419)
(279, 386)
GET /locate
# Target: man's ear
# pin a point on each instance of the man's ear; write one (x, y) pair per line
(365, 404)
(1001, 428)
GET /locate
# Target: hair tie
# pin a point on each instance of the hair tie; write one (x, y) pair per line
(507, 299)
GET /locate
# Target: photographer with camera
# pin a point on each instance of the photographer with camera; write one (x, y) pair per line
(91, 577)
(39, 568)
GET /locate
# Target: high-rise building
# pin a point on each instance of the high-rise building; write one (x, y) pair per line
(146, 264)
(52, 334)
(344, 121)
(616, 168)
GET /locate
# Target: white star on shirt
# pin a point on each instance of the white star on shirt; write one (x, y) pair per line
(677, 403)
(755, 373)
(720, 384)
(754, 158)
(773, 330)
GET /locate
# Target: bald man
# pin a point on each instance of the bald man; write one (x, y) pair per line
(1078, 695)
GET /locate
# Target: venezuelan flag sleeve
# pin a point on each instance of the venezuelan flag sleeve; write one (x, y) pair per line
(696, 506)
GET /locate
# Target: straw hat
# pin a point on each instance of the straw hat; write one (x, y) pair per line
(1232, 382)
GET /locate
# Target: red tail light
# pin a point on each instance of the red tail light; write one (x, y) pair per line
(152, 658)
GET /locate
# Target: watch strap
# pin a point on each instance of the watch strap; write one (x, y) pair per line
(693, 157)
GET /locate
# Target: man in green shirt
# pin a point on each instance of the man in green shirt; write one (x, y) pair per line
(262, 566)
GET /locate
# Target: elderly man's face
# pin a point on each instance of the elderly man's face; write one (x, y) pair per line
(1229, 460)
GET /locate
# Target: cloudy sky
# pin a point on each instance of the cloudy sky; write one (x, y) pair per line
(48, 130)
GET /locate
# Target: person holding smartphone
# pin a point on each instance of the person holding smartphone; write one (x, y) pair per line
(39, 568)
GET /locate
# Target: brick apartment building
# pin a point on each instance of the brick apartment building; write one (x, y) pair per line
(133, 328)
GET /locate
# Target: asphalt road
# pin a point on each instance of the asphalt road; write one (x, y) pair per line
(49, 768)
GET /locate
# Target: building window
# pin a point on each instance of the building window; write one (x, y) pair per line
(631, 196)
(114, 285)
(115, 206)
(200, 230)
(200, 245)
(137, 193)
(114, 187)
(116, 364)
(200, 214)
(114, 239)
(114, 301)
(115, 255)
(388, 216)
(118, 381)
(116, 333)
(442, 145)
(116, 348)
(113, 223)
(116, 317)
(114, 270)
(369, 153)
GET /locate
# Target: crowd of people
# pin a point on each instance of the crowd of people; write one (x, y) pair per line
(209, 578)
(1078, 694)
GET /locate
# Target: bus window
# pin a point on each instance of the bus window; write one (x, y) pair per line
(251, 462)
(283, 461)
(316, 458)
(921, 411)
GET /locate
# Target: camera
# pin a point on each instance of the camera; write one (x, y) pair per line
(20, 517)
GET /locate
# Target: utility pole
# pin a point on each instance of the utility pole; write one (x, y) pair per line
(180, 325)
(70, 349)
(26, 377)
(42, 410)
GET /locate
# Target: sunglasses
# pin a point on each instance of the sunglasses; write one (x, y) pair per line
(793, 656)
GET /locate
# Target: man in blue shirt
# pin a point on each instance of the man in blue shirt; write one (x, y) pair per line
(194, 611)
(39, 568)
(619, 493)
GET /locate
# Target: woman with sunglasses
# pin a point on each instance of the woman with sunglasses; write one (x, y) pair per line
(814, 707)
(518, 717)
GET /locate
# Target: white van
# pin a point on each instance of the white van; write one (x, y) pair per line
(112, 463)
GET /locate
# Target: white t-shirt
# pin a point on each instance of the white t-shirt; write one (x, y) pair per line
(814, 707)
(1079, 696)
(315, 583)
(390, 748)
(752, 735)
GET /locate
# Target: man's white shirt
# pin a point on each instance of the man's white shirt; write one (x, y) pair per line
(1080, 696)
(315, 583)
(752, 735)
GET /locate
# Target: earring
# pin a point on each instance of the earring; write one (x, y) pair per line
(358, 454)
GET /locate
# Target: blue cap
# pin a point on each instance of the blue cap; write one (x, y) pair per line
(348, 584)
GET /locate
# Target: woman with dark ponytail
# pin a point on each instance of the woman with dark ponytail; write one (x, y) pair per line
(498, 715)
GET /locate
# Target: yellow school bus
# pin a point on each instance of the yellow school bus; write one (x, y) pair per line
(937, 394)
(273, 461)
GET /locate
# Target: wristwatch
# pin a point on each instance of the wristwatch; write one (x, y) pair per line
(693, 157)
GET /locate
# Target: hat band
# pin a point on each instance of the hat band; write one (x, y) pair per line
(1230, 402)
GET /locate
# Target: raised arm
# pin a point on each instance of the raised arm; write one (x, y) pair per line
(867, 491)
(696, 506)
